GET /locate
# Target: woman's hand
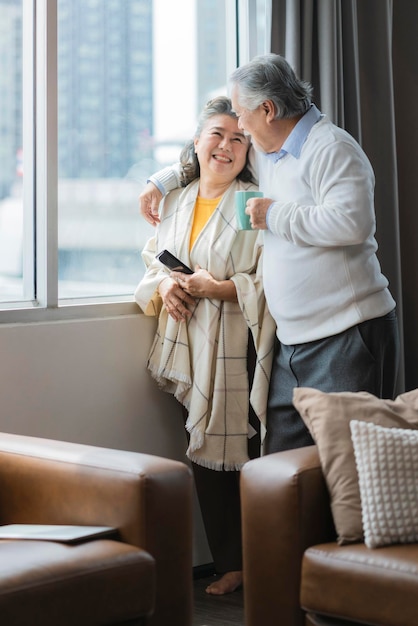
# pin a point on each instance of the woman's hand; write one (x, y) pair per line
(149, 201)
(175, 299)
(201, 284)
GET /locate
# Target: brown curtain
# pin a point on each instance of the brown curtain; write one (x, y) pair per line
(361, 58)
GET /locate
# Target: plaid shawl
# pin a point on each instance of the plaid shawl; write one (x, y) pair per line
(203, 362)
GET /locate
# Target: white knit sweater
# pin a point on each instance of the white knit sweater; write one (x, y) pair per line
(321, 274)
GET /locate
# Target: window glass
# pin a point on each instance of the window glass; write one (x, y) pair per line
(132, 76)
(11, 152)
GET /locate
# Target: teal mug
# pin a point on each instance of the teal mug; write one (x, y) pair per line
(241, 197)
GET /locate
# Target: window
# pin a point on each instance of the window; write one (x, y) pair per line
(120, 96)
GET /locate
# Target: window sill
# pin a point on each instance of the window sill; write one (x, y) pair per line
(70, 310)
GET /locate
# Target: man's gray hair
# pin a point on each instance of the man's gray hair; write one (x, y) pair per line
(270, 77)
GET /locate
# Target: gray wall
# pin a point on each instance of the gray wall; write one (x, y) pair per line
(86, 381)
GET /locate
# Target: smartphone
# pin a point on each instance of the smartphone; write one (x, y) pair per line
(174, 264)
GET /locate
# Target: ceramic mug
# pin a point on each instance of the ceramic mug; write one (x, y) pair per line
(241, 197)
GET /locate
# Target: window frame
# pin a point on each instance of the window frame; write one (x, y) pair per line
(40, 195)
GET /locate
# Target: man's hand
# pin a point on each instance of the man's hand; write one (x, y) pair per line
(257, 210)
(149, 201)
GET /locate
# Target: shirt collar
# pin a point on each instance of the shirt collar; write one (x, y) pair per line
(294, 143)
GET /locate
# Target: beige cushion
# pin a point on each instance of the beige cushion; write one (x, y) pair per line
(328, 417)
(387, 466)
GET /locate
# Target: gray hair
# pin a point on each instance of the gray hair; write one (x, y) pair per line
(270, 77)
(189, 163)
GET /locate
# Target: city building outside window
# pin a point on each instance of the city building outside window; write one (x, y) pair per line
(130, 79)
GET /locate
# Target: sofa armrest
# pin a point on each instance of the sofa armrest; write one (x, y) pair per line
(148, 498)
(285, 509)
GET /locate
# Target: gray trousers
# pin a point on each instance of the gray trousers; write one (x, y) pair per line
(362, 358)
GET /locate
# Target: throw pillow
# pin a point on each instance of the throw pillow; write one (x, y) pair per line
(387, 466)
(328, 417)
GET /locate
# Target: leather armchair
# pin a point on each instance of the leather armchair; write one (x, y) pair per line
(295, 574)
(142, 576)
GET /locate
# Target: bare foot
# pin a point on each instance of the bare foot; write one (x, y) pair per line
(227, 584)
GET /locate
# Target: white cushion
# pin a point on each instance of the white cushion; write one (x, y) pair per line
(387, 466)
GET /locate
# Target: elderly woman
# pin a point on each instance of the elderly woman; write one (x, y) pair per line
(213, 345)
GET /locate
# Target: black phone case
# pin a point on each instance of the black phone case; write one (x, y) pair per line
(174, 264)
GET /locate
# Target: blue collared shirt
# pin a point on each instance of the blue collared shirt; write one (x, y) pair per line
(294, 143)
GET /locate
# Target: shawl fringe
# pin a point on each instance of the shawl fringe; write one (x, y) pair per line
(214, 465)
(164, 377)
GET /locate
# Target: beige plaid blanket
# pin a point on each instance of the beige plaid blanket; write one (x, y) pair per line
(204, 362)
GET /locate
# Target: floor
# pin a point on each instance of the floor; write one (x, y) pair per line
(227, 610)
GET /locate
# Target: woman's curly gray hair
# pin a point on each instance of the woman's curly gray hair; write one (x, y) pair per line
(189, 163)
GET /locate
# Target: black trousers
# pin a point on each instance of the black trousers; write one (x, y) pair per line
(218, 493)
(219, 499)
(362, 358)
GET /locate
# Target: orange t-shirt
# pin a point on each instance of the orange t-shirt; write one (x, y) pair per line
(203, 209)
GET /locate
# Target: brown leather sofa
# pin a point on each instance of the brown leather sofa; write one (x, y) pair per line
(295, 574)
(141, 576)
